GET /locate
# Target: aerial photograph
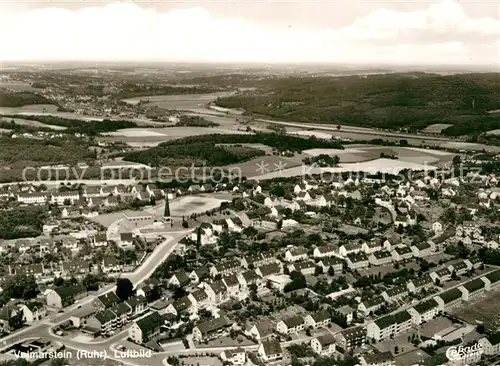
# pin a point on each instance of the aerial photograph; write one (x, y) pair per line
(253, 182)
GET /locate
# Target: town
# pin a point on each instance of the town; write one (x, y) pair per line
(370, 271)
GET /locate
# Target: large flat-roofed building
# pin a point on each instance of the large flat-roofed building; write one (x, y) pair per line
(139, 218)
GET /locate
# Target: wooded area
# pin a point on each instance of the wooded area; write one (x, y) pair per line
(409, 101)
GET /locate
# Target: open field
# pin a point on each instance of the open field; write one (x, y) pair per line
(436, 128)
(155, 136)
(45, 110)
(482, 310)
(493, 132)
(179, 102)
(387, 166)
(17, 86)
(264, 164)
(27, 122)
(360, 153)
(317, 134)
(187, 205)
(35, 108)
(469, 146)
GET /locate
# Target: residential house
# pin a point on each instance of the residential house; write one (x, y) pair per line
(306, 268)
(324, 251)
(33, 311)
(491, 280)
(137, 304)
(123, 313)
(199, 298)
(268, 270)
(179, 279)
(64, 296)
(210, 329)
(257, 260)
(424, 311)
(460, 267)
(262, 330)
(103, 321)
(64, 197)
(324, 345)
(199, 275)
(292, 324)
(234, 357)
(179, 306)
(371, 305)
(395, 293)
(421, 250)
(350, 248)
(372, 246)
(110, 264)
(389, 326)
(126, 241)
(401, 253)
(105, 301)
(99, 240)
(145, 329)
(331, 262)
(270, 350)
(377, 359)
(350, 339)
(318, 319)
(491, 344)
(380, 258)
(232, 284)
(468, 228)
(295, 254)
(33, 198)
(423, 282)
(347, 312)
(249, 278)
(472, 289)
(225, 268)
(442, 275)
(217, 292)
(357, 261)
(449, 299)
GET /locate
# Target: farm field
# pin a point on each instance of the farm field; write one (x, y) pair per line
(317, 134)
(262, 164)
(436, 128)
(360, 153)
(179, 102)
(35, 108)
(493, 132)
(387, 166)
(469, 146)
(483, 310)
(17, 86)
(27, 122)
(46, 110)
(154, 136)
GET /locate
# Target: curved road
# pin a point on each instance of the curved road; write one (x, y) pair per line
(143, 272)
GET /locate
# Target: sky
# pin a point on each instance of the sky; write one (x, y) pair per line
(446, 32)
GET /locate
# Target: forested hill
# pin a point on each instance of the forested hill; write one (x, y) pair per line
(8, 99)
(409, 101)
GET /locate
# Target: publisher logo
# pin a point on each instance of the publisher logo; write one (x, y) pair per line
(459, 353)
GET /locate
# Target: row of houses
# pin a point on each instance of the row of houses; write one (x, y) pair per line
(394, 324)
